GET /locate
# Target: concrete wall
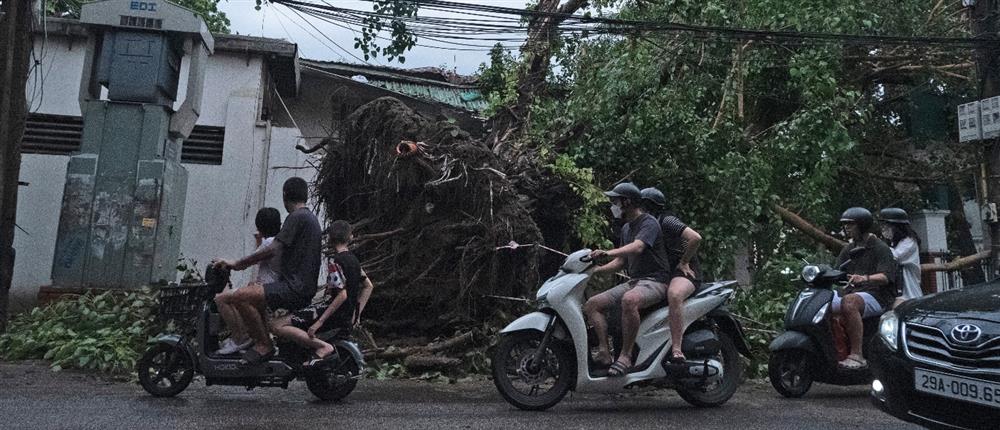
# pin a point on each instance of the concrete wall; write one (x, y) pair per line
(222, 200)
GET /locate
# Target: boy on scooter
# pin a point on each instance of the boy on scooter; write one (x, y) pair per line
(343, 300)
(643, 255)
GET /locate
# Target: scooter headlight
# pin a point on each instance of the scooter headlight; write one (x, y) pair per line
(888, 329)
(809, 273)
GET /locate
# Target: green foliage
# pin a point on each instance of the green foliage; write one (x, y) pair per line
(106, 332)
(590, 224)
(189, 270)
(400, 38)
(216, 20)
(498, 80)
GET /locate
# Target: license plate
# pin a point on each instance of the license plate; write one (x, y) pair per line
(956, 387)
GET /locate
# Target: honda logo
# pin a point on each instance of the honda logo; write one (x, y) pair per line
(966, 333)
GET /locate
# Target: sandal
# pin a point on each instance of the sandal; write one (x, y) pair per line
(618, 369)
(317, 360)
(252, 357)
(677, 357)
(853, 362)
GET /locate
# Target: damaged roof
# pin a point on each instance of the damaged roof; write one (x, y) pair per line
(431, 84)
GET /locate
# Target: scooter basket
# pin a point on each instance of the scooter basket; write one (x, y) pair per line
(179, 301)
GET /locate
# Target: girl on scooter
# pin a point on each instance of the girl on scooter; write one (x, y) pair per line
(905, 247)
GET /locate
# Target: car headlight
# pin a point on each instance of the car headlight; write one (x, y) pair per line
(809, 273)
(888, 329)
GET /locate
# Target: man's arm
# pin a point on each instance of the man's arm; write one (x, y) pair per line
(614, 266)
(259, 255)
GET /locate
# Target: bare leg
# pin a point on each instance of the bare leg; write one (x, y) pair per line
(679, 290)
(851, 309)
(232, 318)
(249, 303)
(594, 310)
(283, 327)
(632, 302)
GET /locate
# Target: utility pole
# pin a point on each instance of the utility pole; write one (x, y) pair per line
(984, 25)
(15, 32)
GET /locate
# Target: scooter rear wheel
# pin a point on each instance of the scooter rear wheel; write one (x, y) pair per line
(336, 381)
(732, 375)
(165, 370)
(789, 372)
(528, 385)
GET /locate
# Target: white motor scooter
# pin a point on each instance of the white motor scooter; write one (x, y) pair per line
(545, 354)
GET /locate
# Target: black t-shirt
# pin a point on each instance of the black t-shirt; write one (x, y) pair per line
(353, 276)
(875, 257)
(301, 256)
(674, 242)
(652, 263)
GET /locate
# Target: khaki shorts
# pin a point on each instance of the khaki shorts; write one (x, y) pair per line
(652, 292)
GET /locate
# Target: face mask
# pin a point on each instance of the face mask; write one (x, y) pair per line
(616, 211)
(887, 233)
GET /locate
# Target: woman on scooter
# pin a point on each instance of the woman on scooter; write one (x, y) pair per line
(905, 248)
(681, 243)
(871, 280)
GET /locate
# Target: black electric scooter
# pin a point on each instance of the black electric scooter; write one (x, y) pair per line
(172, 360)
(805, 352)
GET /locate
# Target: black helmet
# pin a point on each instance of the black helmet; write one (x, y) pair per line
(893, 216)
(860, 216)
(625, 190)
(654, 196)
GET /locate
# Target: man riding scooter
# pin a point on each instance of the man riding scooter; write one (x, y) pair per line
(871, 281)
(299, 245)
(643, 255)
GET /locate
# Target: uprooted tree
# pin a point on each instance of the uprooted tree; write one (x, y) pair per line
(432, 205)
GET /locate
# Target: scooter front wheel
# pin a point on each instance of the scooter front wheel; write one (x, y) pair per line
(528, 384)
(165, 370)
(789, 372)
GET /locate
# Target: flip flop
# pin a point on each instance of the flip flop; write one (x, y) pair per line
(677, 358)
(618, 369)
(252, 357)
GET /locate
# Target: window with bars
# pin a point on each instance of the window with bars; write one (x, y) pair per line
(62, 134)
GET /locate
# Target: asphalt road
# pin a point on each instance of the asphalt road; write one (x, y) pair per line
(32, 397)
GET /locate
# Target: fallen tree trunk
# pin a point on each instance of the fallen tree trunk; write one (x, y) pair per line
(416, 363)
(835, 245)
(791, 218)
(956, 264)
(392, 353)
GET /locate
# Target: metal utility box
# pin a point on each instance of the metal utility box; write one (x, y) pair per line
(123, 202)
(130, 61)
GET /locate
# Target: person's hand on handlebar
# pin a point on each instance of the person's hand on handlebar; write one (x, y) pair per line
(226, 264)
(597, 253)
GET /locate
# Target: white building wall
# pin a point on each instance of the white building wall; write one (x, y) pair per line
(222, 200)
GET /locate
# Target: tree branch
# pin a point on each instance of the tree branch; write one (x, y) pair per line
(792, 219)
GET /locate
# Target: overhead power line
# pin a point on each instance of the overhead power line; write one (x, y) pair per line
(498, 23)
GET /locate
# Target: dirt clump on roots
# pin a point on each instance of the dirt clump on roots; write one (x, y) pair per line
(430, 206)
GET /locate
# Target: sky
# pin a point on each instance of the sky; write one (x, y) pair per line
(277, 21)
